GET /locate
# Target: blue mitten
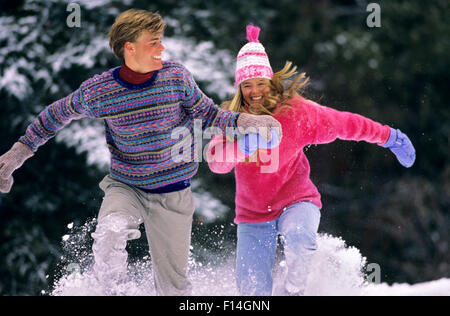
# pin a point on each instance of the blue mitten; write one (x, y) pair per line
(402, 147)
(249, 143)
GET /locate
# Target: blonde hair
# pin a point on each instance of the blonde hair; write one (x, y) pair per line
(129, 25)
(278, 95)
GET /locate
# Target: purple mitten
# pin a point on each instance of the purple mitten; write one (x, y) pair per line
(402, 147)
(249, 143)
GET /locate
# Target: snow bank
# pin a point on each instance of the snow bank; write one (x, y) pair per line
(337, 271)
(434, 288)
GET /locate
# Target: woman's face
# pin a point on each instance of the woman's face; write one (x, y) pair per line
(255, 90)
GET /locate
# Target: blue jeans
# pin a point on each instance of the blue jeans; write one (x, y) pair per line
(257, 244)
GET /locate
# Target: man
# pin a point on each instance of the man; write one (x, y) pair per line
(141, 103)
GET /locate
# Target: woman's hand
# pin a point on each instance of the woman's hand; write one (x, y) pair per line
(402, 147)
(249, 143)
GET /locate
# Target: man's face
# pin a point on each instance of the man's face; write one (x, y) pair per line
(145, 53)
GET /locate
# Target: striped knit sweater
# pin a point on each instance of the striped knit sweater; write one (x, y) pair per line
(139, 120)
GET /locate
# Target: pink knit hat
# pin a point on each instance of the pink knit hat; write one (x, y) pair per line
(252, 60)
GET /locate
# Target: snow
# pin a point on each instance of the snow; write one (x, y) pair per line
(87, 136)
(434, 288)
(208, 208)
(72, 54)
(90, 4)
(206, 63)
(16, 83)
(337, 271)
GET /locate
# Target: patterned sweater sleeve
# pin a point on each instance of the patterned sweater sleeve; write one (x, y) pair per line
(53, 118)
(200, 107)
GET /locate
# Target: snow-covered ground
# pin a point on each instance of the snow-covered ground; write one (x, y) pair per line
(337, 271)
(433, 288)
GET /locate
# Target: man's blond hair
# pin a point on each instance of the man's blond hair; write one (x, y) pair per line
(129, 26)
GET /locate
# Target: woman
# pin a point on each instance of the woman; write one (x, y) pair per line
(283, 201)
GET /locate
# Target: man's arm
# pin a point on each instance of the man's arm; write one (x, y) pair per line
(44, 127)
(199, 106)
(53, 118)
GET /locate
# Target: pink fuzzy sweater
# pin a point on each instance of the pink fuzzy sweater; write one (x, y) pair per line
(262, 194)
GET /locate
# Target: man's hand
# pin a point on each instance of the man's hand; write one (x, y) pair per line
(10, 162)
(260, 124)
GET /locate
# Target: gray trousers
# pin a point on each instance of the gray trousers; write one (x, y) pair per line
(168, 221)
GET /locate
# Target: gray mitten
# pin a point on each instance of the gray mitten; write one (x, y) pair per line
(259, 124)
(11, 161)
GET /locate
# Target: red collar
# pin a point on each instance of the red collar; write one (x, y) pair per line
(134, 77)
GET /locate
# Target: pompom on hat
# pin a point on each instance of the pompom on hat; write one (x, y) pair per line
(252, 60)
